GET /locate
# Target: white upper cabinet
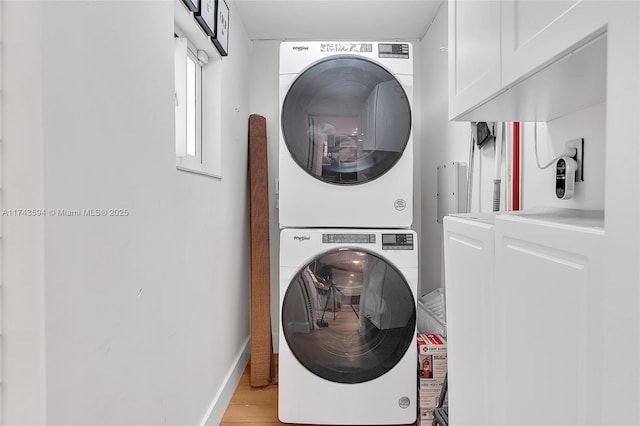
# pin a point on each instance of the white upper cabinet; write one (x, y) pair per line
(537, 33)
(474, 52)
(517, 60)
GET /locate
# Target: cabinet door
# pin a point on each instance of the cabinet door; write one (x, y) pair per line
(537, 33)
(474, 53)
(468, 251)
(549, 286)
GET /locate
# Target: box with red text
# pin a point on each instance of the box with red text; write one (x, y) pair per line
(432, 369)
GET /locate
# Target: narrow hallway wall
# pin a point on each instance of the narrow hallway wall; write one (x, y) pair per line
(441, 141)
(130, 319)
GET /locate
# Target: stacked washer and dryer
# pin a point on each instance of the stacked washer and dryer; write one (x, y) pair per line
(348, 260)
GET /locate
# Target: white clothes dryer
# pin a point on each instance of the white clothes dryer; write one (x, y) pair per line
(347, 346)
(346, 145)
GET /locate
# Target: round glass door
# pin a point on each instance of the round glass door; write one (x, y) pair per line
(346, 120)
(348, 316)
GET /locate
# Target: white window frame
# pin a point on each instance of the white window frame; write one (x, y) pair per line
(188, 126)
(199, 49)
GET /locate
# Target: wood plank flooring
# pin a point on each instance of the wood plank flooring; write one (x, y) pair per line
(253, 406)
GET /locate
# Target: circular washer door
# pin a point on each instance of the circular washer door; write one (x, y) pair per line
(346, 120)
(348, 316)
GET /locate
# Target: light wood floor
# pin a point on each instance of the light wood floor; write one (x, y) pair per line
(253, 406)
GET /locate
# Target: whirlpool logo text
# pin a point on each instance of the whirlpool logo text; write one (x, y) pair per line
(301, 238)
(300, 48)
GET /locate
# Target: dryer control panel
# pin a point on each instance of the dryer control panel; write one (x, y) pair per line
(397, 241)
(393, 50)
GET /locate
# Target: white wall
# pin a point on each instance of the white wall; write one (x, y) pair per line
(622, 209)
(264, 88)
(538, 186)
(440, 142)
(117, 320)
(443, 141)
(23, 356)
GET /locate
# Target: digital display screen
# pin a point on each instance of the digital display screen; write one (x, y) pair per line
(397, 241)
(388, 239)
(393, 50)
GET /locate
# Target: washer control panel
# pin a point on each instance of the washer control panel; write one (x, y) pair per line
(397, 241)
(349, 238)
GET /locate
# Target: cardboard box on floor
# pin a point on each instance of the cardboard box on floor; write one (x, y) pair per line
(432, 368)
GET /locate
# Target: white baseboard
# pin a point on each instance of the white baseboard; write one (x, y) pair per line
(221, 399)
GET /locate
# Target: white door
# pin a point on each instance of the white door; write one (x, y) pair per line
(348, 316)
(549, 287)
(470, 292)
(537, 33)
(346, 120)
(474, 53)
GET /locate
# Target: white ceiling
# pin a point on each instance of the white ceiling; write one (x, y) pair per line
(352, 20)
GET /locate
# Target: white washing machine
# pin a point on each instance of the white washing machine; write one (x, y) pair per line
(346, 148)
(347, 352)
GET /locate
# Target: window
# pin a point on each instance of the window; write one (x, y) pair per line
(188, 100)
(197, 98)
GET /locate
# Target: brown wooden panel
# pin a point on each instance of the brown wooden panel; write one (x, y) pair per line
(262, 364)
